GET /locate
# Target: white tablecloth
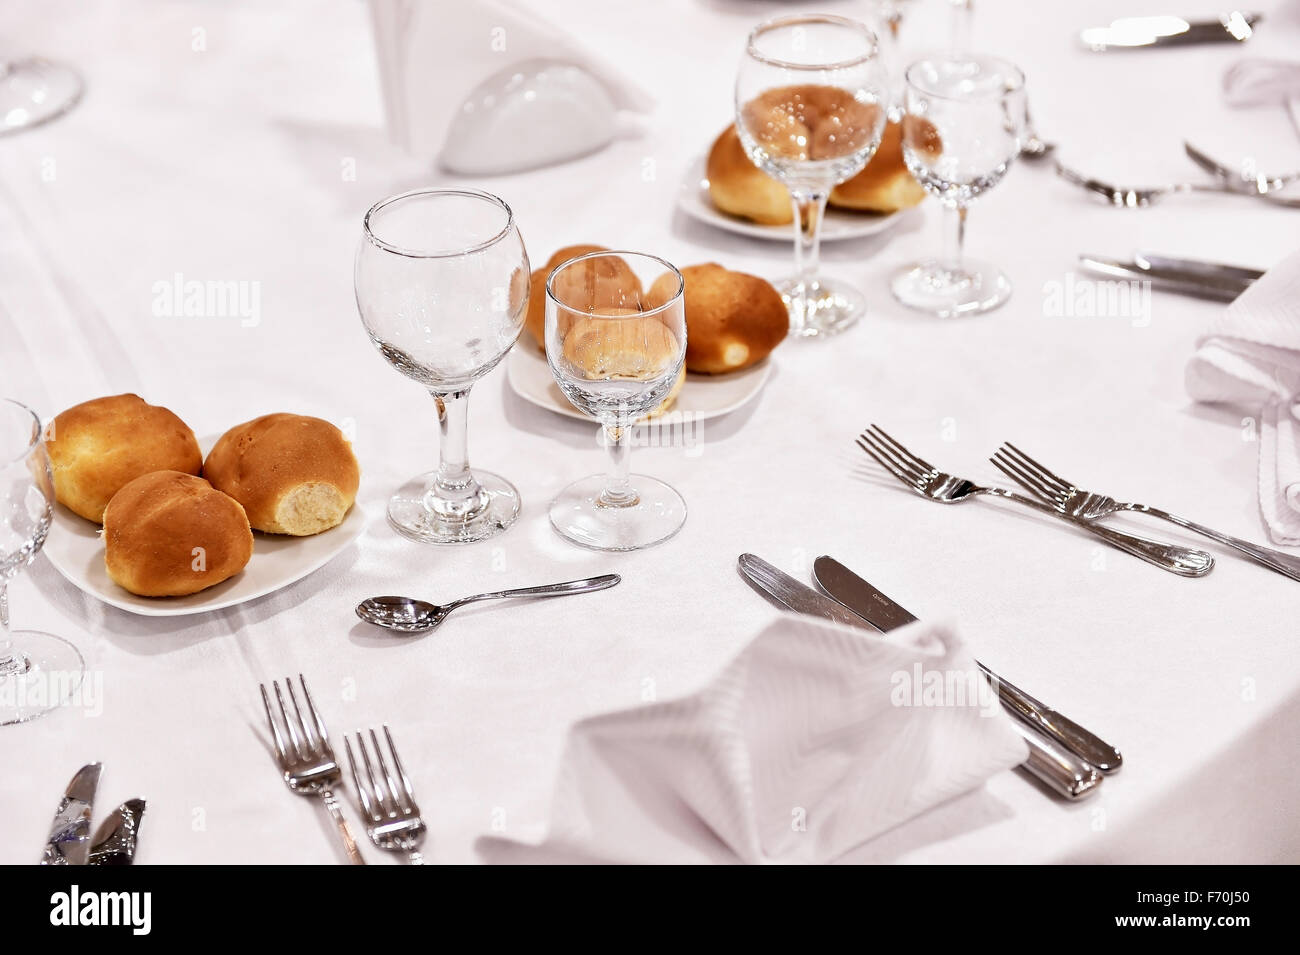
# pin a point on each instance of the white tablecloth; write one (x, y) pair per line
(217, 141)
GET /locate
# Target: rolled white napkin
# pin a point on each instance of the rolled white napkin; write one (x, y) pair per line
(1250, 358)
(814, 739)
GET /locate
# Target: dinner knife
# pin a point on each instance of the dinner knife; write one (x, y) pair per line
(1056, 767)
(1170, 278)
(115, 839)
(69, 839)
(1130, 33)
(1154, 260)
(878, 610)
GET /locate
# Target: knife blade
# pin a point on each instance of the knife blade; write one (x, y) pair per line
(69, 839)
(1171, 279)
(1130, 33)
(861, 597)
(1057, 768)
(1154, 260)
(115, 839)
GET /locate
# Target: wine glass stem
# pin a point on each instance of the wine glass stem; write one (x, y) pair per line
(809, 207)
(455, 480)
(954, 237)
(618, 490)
(10, 662)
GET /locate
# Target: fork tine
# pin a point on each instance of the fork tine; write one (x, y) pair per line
(288, 723)
(920, 462)
(308, 734)
(1028, 481)
(275, 730)
(907, 467)
(1056, 479)
(401, 772)
(363, 791)
(381, 798)
(322, 733)
(398, 803)
(888, 465)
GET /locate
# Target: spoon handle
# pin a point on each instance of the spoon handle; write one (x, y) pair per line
(545, 590)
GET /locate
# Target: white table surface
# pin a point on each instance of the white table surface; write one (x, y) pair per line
(227, 163)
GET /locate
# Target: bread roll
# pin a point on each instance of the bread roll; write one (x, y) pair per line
(293, 474)
(616, 284)
(167, 534)
(886, 185)
(625, 347)
(98, 446)
(740, 188)
(733, 320)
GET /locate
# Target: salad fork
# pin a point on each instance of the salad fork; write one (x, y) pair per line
(1145, 196)
(307, 761)
(1087, 506)
(929, 482)
(392, 818)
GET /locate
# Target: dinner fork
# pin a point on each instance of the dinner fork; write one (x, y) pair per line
(928, 481)
(1244, 179)
(308, 761)
(392, 818)
(1142, 197)
(1087, 506)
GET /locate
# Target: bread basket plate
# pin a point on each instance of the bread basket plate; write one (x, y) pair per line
(693, 199)
(702, 396)
(76, 550)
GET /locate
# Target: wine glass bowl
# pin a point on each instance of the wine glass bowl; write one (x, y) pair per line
(811, 99)
(442, 284)
(963, 124)
(616, 345)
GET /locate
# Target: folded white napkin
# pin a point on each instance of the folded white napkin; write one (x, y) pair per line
(814, 739)
(1250, 358)
(432, 55)
(1260, 82)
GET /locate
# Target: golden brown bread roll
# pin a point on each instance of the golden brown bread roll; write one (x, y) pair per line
(733, 320)
(613, 278)
(293, 474)
(98, 446)
(630, 347)
(740, 188)
(886, 185)
(167, 534)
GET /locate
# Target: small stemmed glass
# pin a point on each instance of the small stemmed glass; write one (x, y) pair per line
(962, 129)
(616, 342)
(442, 285)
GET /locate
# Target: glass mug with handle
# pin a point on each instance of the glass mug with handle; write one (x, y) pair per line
(616, 344)
(442, 285)
(963, 127)
(811, 99)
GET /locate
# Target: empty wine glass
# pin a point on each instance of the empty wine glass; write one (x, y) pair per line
(38, 671)
(35, 91)
(962, 129)
(616, 343)
(811, 98)
(442, 286)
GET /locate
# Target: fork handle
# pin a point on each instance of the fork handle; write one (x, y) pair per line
(414, 857)
(1175, 558)
(1286, 564)
(345, 831)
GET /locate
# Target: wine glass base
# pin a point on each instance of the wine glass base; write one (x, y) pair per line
(827, 308)
(410, 515)
(45, 672)
(35, 91)
(657, 515)
(935, 288)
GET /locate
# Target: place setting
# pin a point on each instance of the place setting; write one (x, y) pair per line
(759, 657)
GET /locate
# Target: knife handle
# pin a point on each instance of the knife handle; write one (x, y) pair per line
(1058, 768)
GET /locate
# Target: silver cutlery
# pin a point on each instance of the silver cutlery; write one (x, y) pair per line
(307, 762)
(1056, 767)
(408, 615)
(1034, 147)
(1130, 33)
(882, 613)
(69, 839)
(393, 820)
(928, 481)
(1140, 197)
(1218, 283)
(1087, 506)
(115, 839)
(1243, 179)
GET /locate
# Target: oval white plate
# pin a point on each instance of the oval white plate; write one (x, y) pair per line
(702, 397)
(75, 549)
(694, 200)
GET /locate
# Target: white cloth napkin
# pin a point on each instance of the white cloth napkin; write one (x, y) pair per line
(797, 751)
(1250, 358)
(1260, 82)
(432, 55)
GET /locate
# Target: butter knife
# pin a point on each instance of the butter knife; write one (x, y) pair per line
(878, 610)
(1057, 768)
(69, 839)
